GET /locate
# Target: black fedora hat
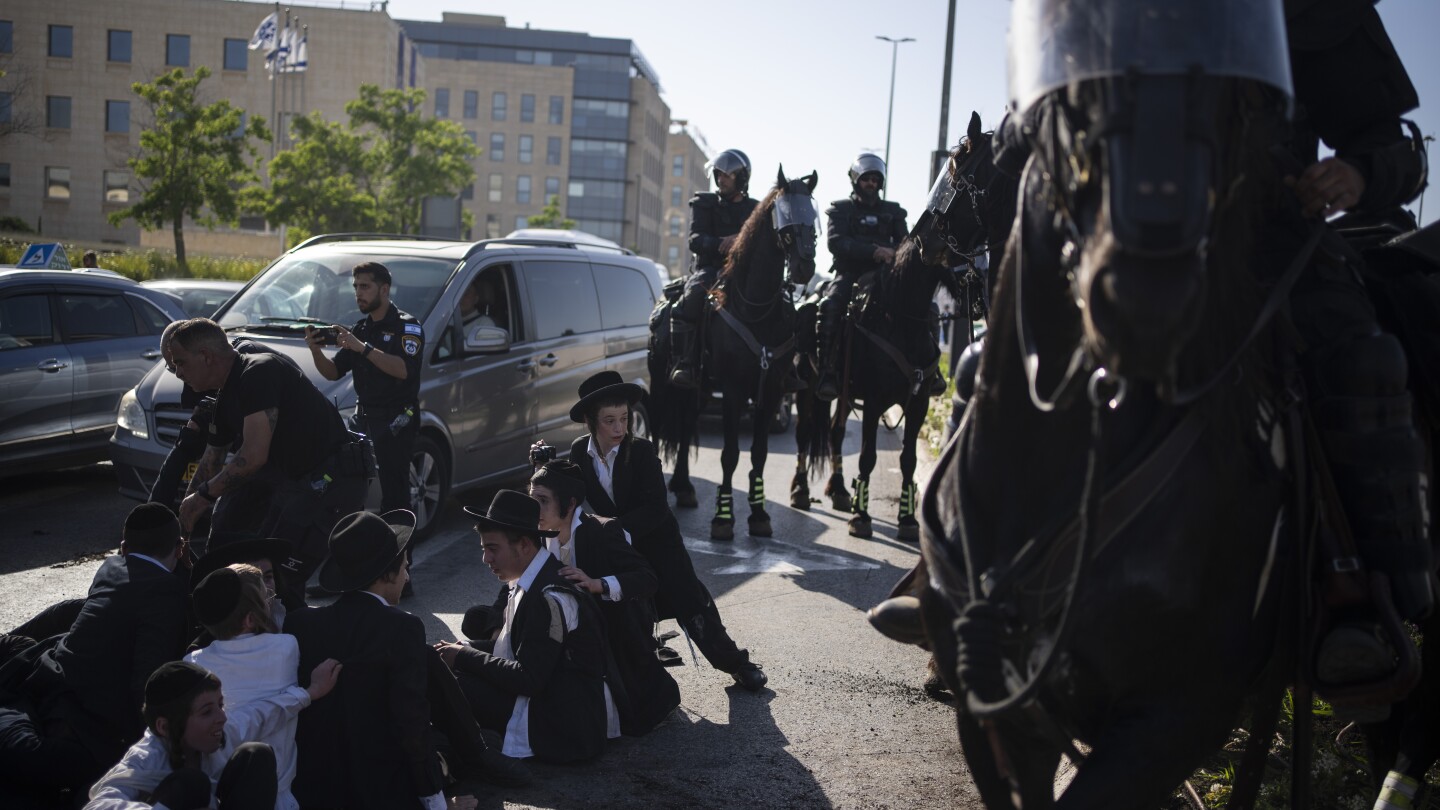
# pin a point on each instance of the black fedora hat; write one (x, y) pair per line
(511, 510)
(604, 385)
(274, 549)
(362, 546)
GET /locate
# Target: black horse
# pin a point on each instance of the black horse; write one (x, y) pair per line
(1139, 622)
(749, 342)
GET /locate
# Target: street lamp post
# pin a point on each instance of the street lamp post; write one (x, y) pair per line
(890, 116)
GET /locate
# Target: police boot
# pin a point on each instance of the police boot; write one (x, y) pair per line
(827, 349)
(686, 350)
(937, 383)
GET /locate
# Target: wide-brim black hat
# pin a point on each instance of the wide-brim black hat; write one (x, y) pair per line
(605, 385)
(362, 546)
(274, 549)
(511, 510)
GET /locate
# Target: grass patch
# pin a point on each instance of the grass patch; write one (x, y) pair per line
(141, 265)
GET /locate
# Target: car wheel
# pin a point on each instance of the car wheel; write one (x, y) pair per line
(640, 422)
(784, 416)
(429, 484)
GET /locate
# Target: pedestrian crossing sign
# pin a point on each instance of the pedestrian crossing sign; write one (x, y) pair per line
(44, 257)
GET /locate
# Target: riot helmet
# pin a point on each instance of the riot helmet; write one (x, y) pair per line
(864, 164)
(1054, 43)
(732, 161)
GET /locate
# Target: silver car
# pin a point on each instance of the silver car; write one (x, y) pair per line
(71, 344)
(512, 327)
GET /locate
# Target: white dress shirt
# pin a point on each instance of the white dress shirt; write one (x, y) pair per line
(605, 472)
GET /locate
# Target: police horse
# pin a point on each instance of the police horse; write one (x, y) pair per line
(748, 342)
(1113, 535)
(889, 352)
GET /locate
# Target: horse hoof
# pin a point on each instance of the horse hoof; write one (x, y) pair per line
(909, 529)
(860, 526)
(800, 499)
(686, 498)
(840, 501)
(722, 530)
(761, 528)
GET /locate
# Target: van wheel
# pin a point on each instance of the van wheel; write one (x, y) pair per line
(429, 484)
(640, 421)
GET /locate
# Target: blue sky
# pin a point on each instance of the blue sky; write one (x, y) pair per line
(805, 83)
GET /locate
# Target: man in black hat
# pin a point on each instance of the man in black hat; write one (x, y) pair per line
(543, 683)
(370, 745)
(623, 480)
(84, 690)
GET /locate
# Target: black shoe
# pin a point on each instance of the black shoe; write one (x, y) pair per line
(898, 618)
(792, 383)
(684, 377)
(751, 677)
(827, 389)
(938, 385)
(498, 769)
(1354, 653)
(669, 657)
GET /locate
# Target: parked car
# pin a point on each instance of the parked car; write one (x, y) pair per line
(549, 312)
(199, 297)
(71, 344)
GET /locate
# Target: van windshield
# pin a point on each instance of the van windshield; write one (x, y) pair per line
(314, 287)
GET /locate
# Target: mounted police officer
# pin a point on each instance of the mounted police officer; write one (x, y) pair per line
(715, 219)
(864, 232)
(383, 351)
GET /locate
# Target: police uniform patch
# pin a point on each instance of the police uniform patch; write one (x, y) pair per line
(412, 329)
(411, 344)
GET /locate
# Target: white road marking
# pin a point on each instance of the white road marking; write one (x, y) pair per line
(778, 557)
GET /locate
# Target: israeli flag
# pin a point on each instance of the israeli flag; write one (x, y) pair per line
(265, 34)
(300, 55)
(278, 60)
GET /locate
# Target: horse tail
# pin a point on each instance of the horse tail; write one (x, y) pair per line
(812, 414)
(672, 411)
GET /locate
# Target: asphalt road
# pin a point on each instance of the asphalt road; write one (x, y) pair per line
(843, 723)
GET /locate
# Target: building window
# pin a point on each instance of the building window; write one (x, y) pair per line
(676, 196)
(62, 41)
(7, 38)
(675, 223)
(522, 189)
(442, 102)
(497, 146)
(522, 222)
(527, 108)
(674, 257)
(557, 109)
(552, 151)
(492, 226)
(552, 188)
(177, 50)
(5, 176)
(237, 55)
(677, 169)
(472, 103)
(117, 47)
(468, 193)
(497, 107)
(473, 136)
(117, 116)
(5, 102)
(57, 182)
(497, 188)
(57, 112)
(117, 187)
(527, 149)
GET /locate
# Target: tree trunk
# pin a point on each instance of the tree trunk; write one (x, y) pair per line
(178, 227)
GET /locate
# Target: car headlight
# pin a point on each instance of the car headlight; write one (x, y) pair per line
(131, 416)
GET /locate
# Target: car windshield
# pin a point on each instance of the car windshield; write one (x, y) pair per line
(314, 287)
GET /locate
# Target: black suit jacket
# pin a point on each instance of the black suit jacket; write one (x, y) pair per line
(367, 744)
(561, 671)
(643, 508)
(133, 620)
(650, 693)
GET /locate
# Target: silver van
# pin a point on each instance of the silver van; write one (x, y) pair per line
(512, 326)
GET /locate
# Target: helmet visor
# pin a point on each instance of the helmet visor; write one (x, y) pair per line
(727, 162)
(1056, 42)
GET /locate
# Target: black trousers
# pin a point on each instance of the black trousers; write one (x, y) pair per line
(305, 516)
(681, 594)
(393, 452)
(248, 782)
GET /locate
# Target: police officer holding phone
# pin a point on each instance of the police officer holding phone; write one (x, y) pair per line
(383, 351)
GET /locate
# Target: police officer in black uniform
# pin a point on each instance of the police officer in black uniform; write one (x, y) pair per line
(383, 351)
(715, 219)
(864, 232)
(1350, 91)
(291, 440)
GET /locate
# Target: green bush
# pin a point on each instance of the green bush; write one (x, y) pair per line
(141, 265)
(15, 225)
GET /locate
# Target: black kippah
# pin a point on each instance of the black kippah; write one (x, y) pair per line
(173, 680)
(559, 469)
(216, 596)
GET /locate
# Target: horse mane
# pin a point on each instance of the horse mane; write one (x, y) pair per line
(757, 226)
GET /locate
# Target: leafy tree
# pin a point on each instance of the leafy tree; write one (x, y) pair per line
(550, 217)
(193, 159)
(371, 174)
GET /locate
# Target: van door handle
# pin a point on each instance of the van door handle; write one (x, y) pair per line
(52, 365)
(548, 360)
(526, 366)
(150, 354)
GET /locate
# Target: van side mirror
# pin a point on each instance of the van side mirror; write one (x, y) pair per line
(487, 339)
